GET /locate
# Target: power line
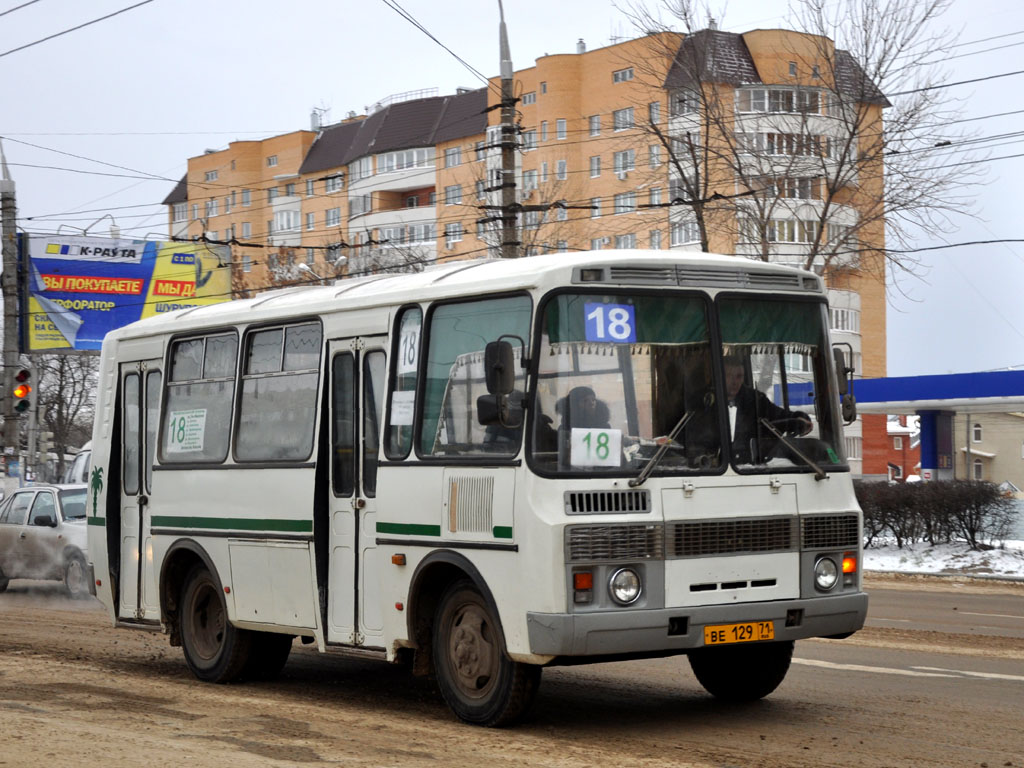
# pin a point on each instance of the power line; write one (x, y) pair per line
(18, 7)
(959, 82)
(72, 29)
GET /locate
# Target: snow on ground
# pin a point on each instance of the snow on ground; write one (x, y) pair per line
(1004, 561)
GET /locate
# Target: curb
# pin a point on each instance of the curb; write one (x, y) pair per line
(950, 575)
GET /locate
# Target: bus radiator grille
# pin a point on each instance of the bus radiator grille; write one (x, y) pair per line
(590, 502)
(705, 538)
(830, 532)
(614, 542)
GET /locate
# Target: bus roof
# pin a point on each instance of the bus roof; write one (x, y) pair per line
(639, 268)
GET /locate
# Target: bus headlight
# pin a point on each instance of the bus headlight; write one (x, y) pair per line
(624, 586)
(826, 573)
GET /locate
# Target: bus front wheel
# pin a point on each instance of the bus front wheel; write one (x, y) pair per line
(267, 656)
(742, 672)
(478, 681)
(215, 651)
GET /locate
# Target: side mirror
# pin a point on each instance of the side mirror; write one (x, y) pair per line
(499, 367)
(504, 410)
(849, 405)
(45, 521)
(843, 374)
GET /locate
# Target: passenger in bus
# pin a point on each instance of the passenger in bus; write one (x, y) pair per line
(747, 406)
(582, 410)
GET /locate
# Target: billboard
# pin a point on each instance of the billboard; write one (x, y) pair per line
(76, 289)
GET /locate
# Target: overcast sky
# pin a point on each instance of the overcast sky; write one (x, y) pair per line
(149, 88)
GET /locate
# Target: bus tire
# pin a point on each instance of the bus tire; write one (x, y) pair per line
(4, 581)
(76, 576)
(215, 651)
(268, 653)
(478, 680)
(742, 672)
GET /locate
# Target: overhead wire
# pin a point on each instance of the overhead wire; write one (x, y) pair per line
(75, 28)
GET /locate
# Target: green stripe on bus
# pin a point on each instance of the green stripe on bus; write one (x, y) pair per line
(503, 531)
(233, 523)
(102, 521)
(409, 529)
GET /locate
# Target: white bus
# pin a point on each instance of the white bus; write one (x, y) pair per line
(483, 469)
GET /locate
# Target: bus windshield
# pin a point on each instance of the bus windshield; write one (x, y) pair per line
(623, 377)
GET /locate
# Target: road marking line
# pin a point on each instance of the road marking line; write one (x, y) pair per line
(997, 615)
(902, 621)
(988, 675)
(863, 668)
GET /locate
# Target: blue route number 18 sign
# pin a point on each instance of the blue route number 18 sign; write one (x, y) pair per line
(610, 322)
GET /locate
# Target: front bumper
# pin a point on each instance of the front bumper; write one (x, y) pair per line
(679, 629)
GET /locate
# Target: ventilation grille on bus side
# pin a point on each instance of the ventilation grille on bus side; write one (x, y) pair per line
(470, 504)
(830, 532)
(703, 538)
(710, 276)
(611, 502)
(614, 542)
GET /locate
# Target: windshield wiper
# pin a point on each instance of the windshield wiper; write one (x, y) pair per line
(819, 473)
(653, 461)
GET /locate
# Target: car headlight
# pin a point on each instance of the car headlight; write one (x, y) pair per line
(624, 586)
(826, 573)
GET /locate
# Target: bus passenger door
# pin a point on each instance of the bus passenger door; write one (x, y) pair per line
(140, 405)
(357, 383)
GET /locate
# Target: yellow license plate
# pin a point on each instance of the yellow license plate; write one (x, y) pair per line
(720, 634)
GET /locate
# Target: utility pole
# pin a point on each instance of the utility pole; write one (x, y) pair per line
(9, 290)
(509, 229)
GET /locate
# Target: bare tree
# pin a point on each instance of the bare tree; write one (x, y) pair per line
(796, 165)
(66, 396)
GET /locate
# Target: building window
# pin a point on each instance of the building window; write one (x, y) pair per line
(562, 170)
(246, 197)
(622, 75)
(246, 229)
(684, 232)
(531, 219)
(310, 183)
(595, 166)
(543, 130)
(625, 241)
(402, 160)
(453, 195)
(562, 246)
(595, 207)
(544, 172)
(180, 211)
(979, 472)
(452, 233)
(210, 175)
(452, 157)
(845, 320)
(655, 239)
(595, 125)
(271, 194)
(897, 443)
(683, 103)
(195, 211)
(286, 221)
(332, 217)
(560, 128)
(777, 100)
(895, 472)
(654, 155)
(625, 161)
(211, 208)
(562, 210)
(529, 181)
(289, 190)
(246, 263)
(480, 150)
(625, 203)
(363, 167)
(271, 161)
(816, 72)
(977, 433)
(622, 119)
(530, 98)
(654, 112)
(310, 221)
(792, 69)
(654, 196)
(481, 189)
(596, 243)
(334, 183)
(529, 140)
(543, 86)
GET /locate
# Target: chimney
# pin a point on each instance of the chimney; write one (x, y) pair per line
(314, 120)
(581, 47)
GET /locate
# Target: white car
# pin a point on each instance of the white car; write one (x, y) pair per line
(43, 536)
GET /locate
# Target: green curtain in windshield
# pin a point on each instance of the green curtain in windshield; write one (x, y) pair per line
(746, 321)
(659, 319)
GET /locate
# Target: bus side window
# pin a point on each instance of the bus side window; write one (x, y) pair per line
(403, 394)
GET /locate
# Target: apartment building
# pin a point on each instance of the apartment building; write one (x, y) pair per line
(765, 144)
(990, 446)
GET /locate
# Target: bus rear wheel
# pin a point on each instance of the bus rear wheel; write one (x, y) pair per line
(76, 577)
(478, 681)
(215, 651)
(742, 672)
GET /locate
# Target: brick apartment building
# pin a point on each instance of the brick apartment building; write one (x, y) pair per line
(615, 143)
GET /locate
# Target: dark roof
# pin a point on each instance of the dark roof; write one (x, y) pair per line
(180, 192)
(712, 55)
(417, 123)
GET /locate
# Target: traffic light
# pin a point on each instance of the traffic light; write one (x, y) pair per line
(22, 390)
(45, 444)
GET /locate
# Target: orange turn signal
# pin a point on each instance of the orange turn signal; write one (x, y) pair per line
(398, 559)
(849, 564)
(583, 580)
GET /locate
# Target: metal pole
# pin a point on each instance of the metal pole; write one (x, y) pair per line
(9, 290)
(509, 233)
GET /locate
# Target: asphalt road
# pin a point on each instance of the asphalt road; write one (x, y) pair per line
(927, 683)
